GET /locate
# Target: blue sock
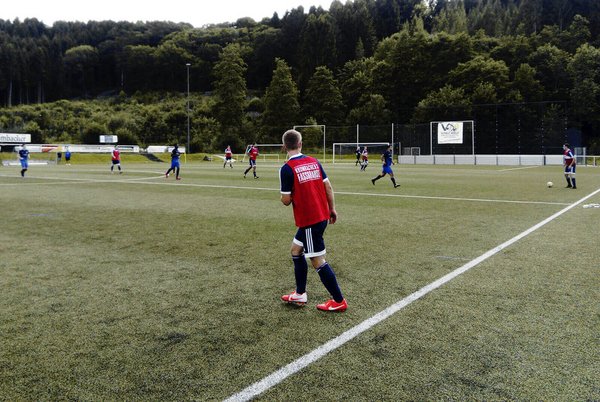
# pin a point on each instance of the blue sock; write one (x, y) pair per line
(330, 281)
(301, 272)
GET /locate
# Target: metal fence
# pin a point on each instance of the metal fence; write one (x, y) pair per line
(523, 128)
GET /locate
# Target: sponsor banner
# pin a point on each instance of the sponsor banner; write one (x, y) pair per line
(158, 149)
(78, 148)
(12, 137)
(450, 132)
(109, 139)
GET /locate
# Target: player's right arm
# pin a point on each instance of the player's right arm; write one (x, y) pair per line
(286, 181)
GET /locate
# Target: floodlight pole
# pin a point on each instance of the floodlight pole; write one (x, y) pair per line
(187, 149)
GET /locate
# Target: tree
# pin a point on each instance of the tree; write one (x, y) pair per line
(230, 92)
(445, 103)
(317, 46)
(481, 69)
(584, 70)
(551, 64)
(452, 19)
(323, 99)
(281, 103)
(525, 86)
(80, 62)
(371, 109)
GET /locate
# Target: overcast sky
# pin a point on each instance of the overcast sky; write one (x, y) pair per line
(195, 12)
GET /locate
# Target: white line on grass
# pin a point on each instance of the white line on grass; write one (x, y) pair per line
(278, 376)
(138, 180)
(519, 168)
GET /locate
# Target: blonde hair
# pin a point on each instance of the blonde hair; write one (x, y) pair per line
(291, 139)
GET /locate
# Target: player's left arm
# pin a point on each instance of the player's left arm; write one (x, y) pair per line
(330, 201)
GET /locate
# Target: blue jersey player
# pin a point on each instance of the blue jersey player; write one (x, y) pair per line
(388, 161)
(24, 159)
(175, 154)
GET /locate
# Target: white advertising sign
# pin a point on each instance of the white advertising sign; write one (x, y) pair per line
(11, 137)
(450, 132)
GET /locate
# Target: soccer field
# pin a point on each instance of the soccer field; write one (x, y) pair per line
(138, 287)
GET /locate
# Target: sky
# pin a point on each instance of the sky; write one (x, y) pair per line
(195, 12)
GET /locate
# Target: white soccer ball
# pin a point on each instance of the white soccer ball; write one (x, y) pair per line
(549, 184)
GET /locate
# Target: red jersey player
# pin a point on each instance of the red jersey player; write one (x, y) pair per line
(253, 154)
(570, 165)
(228, 155)
(116, 160)
(305, 185)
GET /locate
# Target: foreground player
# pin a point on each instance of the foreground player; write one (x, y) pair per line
(24, 159)
(228, 155)
(305, 185)
(570, 164)
(388, 161)
(253, 154)
(175, 154)
(116, 160)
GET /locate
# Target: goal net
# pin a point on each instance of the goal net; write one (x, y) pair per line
(345, 152)
(267, 152)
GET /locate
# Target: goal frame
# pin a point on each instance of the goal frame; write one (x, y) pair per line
(355, 144)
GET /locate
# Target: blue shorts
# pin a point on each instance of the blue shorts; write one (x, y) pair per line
(387, 170)
(252, 162)
(24, 163)
(174, 164)
(116, 162)
(311, 238)
(570, 169)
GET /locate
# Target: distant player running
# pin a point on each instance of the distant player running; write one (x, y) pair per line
(228, 155)
(388, 161)
(358, 154)
(24, 159)
(365, 159)
(253, 154)
(116, 160)
(570, 164)
(175, 154)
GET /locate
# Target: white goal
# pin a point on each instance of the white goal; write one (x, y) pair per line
(345, 152)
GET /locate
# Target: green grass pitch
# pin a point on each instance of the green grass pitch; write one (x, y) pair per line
(137, 287)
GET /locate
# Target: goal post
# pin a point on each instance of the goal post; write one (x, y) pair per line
(320, 127)
(346, 151)
(452, 137)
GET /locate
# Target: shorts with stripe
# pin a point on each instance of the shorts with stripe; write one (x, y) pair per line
(570, 169)
(311, 238)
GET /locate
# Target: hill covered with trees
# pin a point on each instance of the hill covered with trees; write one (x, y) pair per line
(369, 62)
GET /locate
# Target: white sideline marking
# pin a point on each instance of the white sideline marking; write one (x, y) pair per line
(276, 377)
(138, 180)
(519, 168)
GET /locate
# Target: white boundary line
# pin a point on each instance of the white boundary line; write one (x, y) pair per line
(518, 168)
(278, 376)
(139, 180)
